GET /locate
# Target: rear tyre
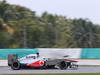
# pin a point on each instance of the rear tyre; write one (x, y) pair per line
(15, 65)
(62, 65)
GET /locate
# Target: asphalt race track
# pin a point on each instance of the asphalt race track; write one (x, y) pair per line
(91, 69)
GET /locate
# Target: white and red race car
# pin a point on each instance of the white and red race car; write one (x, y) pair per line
(35, 61)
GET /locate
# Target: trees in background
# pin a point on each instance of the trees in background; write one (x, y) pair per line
(22, 28)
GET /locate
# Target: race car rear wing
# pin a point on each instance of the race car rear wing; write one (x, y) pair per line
(12, 58)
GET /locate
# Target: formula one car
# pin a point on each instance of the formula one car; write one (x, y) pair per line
(35, 61)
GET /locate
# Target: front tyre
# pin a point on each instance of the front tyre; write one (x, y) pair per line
(74, 66)
(15, 65)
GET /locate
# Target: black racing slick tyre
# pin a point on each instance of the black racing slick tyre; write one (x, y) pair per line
(15, 65)
(62, 65)
(74, 66)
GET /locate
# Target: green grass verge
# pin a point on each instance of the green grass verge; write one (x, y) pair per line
(60, 74)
